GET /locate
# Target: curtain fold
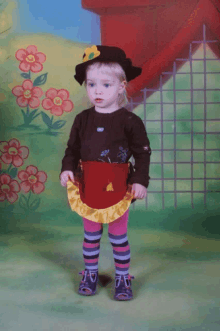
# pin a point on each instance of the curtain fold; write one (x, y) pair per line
(205, 12)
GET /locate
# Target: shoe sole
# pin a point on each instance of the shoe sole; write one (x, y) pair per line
(122, 299)
(86, 294)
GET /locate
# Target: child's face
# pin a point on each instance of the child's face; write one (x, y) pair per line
(103, 89)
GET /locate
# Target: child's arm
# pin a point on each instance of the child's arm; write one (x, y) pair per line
(72, 153)
(139, 146)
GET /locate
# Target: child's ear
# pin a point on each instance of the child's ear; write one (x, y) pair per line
(122, 86)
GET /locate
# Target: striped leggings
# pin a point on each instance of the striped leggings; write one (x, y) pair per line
(117, 234)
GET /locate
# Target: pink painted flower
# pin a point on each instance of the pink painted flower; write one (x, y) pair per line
(32, 179)
(57, 101)
(30, 59)
(8, 188)
(27, 94)
(13, 153)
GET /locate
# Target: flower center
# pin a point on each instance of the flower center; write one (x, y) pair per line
(30, 58)
(5, 188)
(32, 179)
(58, 101)
(91, 56)
(12, 151)
(27, 94)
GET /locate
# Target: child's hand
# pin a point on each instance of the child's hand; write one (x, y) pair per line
(139, 191)
(65, 176)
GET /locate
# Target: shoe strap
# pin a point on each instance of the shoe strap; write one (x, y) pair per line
(87, 271)
(125, 276)
(131, 277)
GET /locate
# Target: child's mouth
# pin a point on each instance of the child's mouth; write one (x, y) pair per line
(98, 100)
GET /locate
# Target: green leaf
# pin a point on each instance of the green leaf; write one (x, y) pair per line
(35, 116)
(58, 124)
(40, 80)
(23, 202)
(23, 113)
(13, 172)
(31, 115)
(33, 112)
(35, 204)
(25, 75)
(46, 119)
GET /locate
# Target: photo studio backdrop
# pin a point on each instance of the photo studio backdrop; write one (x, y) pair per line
(177, 96)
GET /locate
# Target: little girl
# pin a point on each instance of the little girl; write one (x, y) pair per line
(101, 183)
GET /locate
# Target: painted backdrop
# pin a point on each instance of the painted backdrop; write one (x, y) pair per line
(39, 47)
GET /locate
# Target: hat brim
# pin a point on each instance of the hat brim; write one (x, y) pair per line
(106, 215)
(130, 71)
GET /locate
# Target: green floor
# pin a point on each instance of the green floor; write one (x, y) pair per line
(176, 267)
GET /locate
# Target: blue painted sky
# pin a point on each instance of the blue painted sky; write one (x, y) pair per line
(64, 18)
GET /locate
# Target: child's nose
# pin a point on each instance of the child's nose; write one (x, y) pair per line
(98, 90)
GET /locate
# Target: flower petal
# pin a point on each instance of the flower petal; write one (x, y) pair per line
(17, 161)
(6, 158)
(63, 94)
(32, 170)
(25, 186)
(23, 175)
(14, 143)
(12, 197)
(21, 54)
(4, 146)
(14, 186)
(32, 49)
(40, 57)
(47, 103)
(41, 176)
(5, 179)
(38, 188)
(56, 110)
(67, 105)
(23, 152)
(17, 91)
(24, 66)
(36, 67)
(22, 102)
(27, 84)
(37, 92)
(51, 93)
(34, 102)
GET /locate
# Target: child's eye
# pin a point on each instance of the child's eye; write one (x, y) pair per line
(91, 84)
(106, 85)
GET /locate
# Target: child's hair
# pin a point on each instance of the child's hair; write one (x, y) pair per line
(109, 67)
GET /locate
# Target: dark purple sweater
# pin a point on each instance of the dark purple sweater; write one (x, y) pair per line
(109, 137)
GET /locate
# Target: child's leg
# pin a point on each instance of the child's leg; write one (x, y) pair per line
(91, 244)
(117, 233)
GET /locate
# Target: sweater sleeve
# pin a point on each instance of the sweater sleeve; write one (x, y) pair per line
(139, 146)
(72, 153)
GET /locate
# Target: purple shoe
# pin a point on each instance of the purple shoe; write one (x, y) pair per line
(123, 289)
(88, 283)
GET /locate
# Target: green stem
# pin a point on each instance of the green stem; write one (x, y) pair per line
(27, 109)
(9, 168)
(28, 199)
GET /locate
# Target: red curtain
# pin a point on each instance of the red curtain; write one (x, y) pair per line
(154, 33)
(204, 13)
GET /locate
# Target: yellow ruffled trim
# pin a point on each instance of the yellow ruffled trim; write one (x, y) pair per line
(106, 215)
